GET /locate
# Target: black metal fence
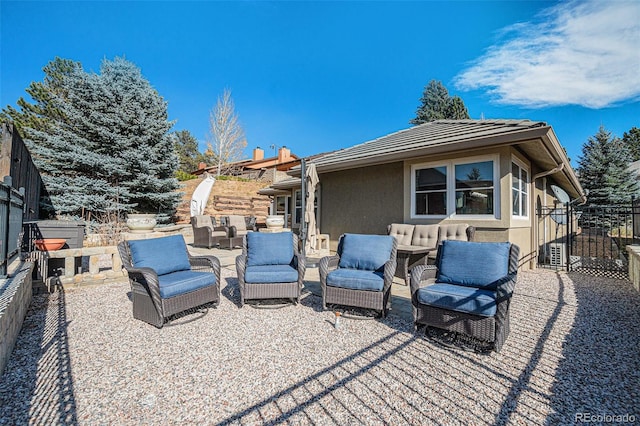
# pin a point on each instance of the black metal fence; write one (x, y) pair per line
(11, 211)
(588, 239)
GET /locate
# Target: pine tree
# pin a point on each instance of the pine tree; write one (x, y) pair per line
(603, 170)
(107, 147)
(186, 147)
(136, 135)
(632, 140)
(436, 104)
(39, 115)
(457, 110)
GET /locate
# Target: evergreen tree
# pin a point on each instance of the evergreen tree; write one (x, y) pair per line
(107, 147)
(39, 114)
(438, 105)
(632, 140)
(186, 147)
(603, 170)
(457, 110)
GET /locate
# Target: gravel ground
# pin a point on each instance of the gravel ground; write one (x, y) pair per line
(82, 359)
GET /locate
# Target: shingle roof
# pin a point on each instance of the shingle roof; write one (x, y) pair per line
(432, 137)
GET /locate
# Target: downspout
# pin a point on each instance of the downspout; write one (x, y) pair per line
(537, 176)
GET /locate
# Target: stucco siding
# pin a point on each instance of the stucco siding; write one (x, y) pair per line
(362, 201)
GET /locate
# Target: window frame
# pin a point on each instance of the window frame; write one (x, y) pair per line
(451, 187)
(522, 167)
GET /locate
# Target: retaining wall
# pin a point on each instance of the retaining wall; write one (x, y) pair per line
(15, 298)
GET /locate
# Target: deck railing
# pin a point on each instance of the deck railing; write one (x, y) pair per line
(11, 208)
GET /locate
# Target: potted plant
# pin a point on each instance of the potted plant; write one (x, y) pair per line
(141, 222)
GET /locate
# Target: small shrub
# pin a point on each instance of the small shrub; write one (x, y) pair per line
(182, 176)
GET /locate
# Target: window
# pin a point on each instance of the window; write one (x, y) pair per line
(474, 188)
(461, 187)
(281, 207)
(431, 191)
(519, 190)
(298, 207)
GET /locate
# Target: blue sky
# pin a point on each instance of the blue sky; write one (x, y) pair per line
(319, 76)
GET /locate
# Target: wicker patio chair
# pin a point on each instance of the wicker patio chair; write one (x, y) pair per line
(237, 225)
(468, 291)
(165, 279)
(205, 232)
(361, 273)
(270, 267)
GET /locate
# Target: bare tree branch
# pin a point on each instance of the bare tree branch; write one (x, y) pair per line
(227, 141)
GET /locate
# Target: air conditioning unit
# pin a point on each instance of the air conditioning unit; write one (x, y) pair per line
(557, 254)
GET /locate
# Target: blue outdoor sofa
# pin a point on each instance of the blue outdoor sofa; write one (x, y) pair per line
(468, 290)
(165, 279)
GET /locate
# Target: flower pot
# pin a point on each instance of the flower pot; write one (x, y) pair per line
(275, 221)
(139, 223)
(50, 244)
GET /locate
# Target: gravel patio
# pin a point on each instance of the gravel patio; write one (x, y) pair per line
(574, 350)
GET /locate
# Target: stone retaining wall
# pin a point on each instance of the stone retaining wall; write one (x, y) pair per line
(634, 265)
(15, 298)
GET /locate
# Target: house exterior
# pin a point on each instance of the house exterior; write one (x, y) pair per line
(492, 174)
(270, 169)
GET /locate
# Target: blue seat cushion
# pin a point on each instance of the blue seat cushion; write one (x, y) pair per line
(365, 252)
(459, 298)
(356, 279)
(182, 282)
(264, 274)
(269, 249)
(163, 255)
(473, 264)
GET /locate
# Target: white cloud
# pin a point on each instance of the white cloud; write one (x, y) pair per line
(576, 53)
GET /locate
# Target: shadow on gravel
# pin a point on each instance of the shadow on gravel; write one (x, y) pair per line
(312, 390)
(599, 371)
(37, 384)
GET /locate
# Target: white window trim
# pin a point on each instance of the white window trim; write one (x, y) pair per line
(524, 167)
(451, 187)
(297, 196)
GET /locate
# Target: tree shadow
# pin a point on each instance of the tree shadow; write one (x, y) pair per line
(37, 384)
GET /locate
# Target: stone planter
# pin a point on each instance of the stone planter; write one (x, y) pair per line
(140, 223)
(275, 222)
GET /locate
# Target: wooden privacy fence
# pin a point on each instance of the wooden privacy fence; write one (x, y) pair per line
(11, 206)
(15, 161)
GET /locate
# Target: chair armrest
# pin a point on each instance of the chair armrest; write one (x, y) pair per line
(328, 264)
(421, 273)
(241, 266)
(231, 231)
(147, 278)
(300, 263)
(389, 272)
(505, 286)
(204, 263)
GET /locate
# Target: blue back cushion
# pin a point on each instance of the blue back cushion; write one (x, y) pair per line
(472, 264)
(163, 255)
(365, 252)
(269, 249)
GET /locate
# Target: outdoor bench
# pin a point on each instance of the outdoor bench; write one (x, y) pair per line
(418, 244)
